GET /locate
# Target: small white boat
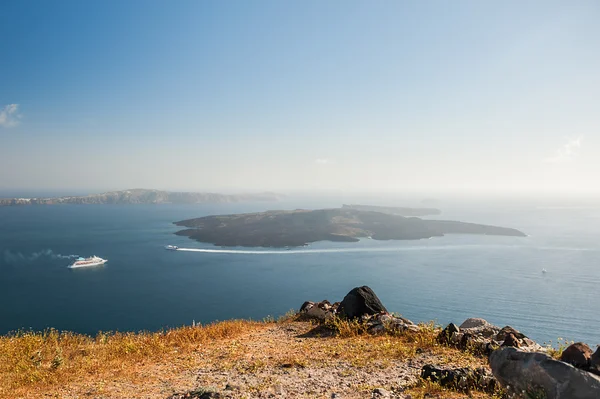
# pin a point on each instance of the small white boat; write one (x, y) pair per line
(88, 262)
(544, 271)
(171, 247)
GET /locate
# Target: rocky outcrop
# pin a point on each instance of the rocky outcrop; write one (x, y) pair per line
(482, 337)
(578, 355)
(517, 362)
(529, 374)
(320, 311)
(384, 323)
(360, 301)
(361, 304)
(462, 379)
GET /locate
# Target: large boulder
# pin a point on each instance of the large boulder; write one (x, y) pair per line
(595, 362)
(578, 355)
(474, 322)
(529, 374)
(479, 327)
(360, 301)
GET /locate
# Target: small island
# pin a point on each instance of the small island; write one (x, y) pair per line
(301, 227)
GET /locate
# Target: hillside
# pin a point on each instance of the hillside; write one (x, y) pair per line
(232, 359)
(350, 349)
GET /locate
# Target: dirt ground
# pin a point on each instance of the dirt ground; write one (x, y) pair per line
(281, 360)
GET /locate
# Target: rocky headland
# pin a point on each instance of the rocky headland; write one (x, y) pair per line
(350, 349)
(300, 227)
(517, 366)
(142, 196)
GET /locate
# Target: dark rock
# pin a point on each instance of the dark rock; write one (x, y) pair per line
(376, 329)
(305, 305)
(201, 394)
(360, 301)
(381, 393)
(449, 334)
(382, 323)
(578, 355)
(531, 374)
(511, 340)
(452, 328)
(325, 305)
(230, 387)
(501, 336)
(480, 337)
(595, 362)
(466, 341)
(320, 311)
(462, 379)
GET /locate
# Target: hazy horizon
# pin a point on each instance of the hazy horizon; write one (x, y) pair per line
(417, 98)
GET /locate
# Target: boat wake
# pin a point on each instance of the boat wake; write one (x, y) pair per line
(17, 257)
(384, 249)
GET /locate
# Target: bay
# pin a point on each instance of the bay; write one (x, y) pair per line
(144, 287)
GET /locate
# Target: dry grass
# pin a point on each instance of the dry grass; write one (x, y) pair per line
(357, 344)
(428, 389)
(38, 364)
(556, 350)
(32, 361)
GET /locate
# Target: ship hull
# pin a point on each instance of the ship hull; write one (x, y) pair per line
(98, 263)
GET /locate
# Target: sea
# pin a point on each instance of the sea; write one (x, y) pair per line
(546, 285)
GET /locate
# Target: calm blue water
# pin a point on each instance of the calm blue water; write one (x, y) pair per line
(444, 279)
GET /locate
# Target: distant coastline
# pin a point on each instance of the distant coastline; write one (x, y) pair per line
(142, 196)
(300, 227)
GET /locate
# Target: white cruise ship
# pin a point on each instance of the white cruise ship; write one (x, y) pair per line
(88, 262)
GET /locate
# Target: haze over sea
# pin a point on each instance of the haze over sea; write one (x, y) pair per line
(145, 287)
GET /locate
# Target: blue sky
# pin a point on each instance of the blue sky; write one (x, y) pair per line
(431, 96)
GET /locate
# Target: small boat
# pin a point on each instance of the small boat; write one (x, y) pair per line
(88, 262)
(544, 271)
(171, 247)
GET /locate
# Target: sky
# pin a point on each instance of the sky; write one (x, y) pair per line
(387, 96)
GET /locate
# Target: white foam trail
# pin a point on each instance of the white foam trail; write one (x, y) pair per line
(18, 257)
(345, 250)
